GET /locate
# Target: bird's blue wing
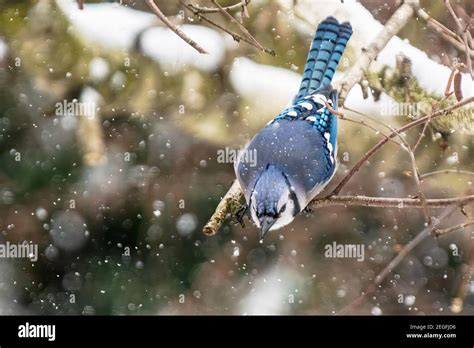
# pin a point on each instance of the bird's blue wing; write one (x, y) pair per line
(296, 148)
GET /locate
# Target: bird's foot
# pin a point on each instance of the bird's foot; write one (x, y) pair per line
(239, 215)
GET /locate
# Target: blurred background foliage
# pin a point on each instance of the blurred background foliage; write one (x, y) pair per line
(118, 220)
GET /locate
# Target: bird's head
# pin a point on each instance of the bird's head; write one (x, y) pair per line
(273, 202)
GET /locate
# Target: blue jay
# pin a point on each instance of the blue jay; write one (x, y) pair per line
(296, 151)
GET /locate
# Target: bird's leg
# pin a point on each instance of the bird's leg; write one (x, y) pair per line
(239, 215)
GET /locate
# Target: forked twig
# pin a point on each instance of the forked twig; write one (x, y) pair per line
(156, 10)
(242, 27)
(382, 142)
(463, 32)
(235, 36)
(201, 9)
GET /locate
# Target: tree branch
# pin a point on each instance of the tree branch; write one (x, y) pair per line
(445, 33)
(242, 28)
(229, 201)
(156, 10)
(396, 260)
(398, 20)
(445, 231)
(383, 141)
(446, 171)
(463, 33)
(235, 36)
(200, 9)
(388, 202)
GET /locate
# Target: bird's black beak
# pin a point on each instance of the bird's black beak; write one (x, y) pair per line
(265, 224)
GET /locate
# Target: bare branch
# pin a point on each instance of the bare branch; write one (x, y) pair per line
(382, 142)
(173, 27)
(199, 9)
(463, 33)
(235, 36)
(446, 171)
(231, 199)
(388, 202)
(406, 147)
(377, 131)
(231, 203)
(445, 33)
(445, 231)
(242, 27)
(416, 176)
(398, 20)
(396, 261)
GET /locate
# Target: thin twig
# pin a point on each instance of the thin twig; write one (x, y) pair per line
(447, 93)
(382, 142)
(454, 15)
(406, 147)
(235, 36)
(468, 56)
(446, 171)
(173, 27)
(377, 131)
(396, 22)
(445, 231)
(422, 134)
(463, 33)
(396, 261)
(200, 9)
(343, 117)
(445, 33)
(388, 202)
(240, 25)
(416, 176)
(244, 13)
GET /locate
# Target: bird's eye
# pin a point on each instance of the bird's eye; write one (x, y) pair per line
(283, 208)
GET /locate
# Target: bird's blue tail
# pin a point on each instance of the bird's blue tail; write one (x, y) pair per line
(324, 55)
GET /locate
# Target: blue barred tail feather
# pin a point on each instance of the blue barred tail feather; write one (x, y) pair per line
(324, 55)
(297, 149)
